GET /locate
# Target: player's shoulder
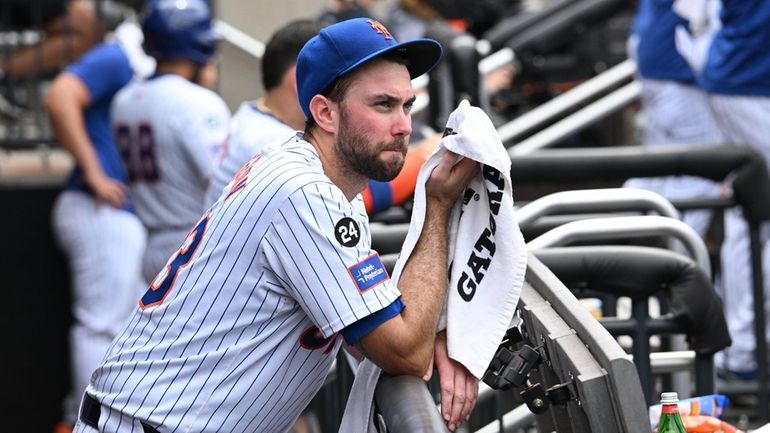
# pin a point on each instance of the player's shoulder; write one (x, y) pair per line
(288, 166)
(188, 101)
(193, 98)
(285, 177)
(248, 118)
(251, 130)
(105, 63)
(294, 152)
(190, 91)
(248, 112)
(301, 171)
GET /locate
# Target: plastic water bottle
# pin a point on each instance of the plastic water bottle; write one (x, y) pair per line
(670, 419)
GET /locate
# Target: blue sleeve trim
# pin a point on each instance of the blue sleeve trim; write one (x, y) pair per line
(382, 195)
(360, 329)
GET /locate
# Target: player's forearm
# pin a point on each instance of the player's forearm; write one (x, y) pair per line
(424, 278)
(404, 345)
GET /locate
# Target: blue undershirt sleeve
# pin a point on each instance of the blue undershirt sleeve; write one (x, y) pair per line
(358, 330)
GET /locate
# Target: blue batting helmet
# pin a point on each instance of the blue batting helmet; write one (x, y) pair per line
(179, 29)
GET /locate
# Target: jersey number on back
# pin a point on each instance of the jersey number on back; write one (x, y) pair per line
(164, 281)
(137, 148)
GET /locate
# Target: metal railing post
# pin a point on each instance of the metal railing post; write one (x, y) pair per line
(759, 316)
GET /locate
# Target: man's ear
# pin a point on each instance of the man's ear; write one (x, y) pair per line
(325, 112)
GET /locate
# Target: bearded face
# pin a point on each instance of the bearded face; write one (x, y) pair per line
(380, 161)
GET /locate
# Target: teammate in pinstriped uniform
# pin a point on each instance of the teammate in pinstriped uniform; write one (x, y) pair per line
(737, 76)
(675, 110)
(92, 218)
(241, 331)
(277, 115)
(169, 129)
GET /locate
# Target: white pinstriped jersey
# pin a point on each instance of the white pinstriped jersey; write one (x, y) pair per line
(228, 339)
(250, 131)
(169, 132)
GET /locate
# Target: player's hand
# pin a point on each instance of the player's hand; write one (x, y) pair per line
(107, 190)
(449, 179)
(459, 388)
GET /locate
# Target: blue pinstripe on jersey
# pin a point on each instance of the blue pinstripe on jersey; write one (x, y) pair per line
(229, 392)
(240, 312)
(299, 269)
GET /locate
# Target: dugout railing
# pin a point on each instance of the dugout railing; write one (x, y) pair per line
(566, 215)
(641, 273)
(741, 168)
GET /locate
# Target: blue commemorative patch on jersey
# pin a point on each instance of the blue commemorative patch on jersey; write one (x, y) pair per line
(368, 273)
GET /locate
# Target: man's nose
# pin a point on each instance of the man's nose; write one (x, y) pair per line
(402, 125)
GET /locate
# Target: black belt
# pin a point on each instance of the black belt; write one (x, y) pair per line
(91, 411)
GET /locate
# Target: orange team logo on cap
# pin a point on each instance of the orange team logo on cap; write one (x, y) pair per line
(380, 28)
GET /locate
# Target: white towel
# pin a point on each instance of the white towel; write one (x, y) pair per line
(704, 22)
(487, 257)
(129, 35)
(695, 12)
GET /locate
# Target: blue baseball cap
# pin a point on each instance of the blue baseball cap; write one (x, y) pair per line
(344, 46)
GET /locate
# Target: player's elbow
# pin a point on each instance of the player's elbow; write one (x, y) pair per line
(399, 349)
(417, 369)
(57, 99)
(50, 100)
(406, 361)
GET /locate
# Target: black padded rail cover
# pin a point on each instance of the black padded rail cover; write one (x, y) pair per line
(636, 271)
(750, 180)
